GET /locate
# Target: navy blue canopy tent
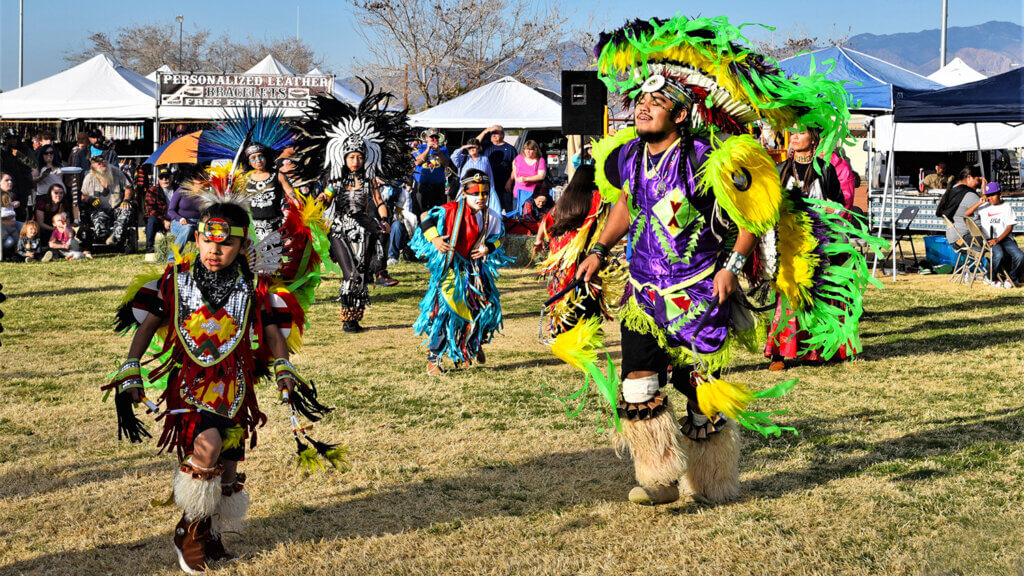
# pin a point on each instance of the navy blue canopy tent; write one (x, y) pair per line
(996, 99)
(877, 79)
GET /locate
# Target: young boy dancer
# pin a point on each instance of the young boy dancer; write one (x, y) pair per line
(222, 329)
(461, 242)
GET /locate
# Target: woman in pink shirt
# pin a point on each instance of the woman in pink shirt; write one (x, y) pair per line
(528, 170)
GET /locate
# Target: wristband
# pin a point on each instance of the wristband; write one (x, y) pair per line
(600, 249)
(283, 369)
(735, 263)
(129, 376)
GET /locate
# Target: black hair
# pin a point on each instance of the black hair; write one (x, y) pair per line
(233, 214)
(574, 203)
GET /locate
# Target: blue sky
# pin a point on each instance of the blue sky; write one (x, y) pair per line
(54, 26)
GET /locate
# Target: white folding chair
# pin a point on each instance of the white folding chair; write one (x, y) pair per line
(964, 255)
(979, 241)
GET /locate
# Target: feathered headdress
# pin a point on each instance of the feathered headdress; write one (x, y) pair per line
(243, 129)
(221, 185)
(332, 129)
(725, 85)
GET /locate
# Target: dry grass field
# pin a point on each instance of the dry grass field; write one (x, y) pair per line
(909, 459)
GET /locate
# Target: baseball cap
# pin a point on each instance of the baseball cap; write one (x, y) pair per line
(164, 173)
(992, 188)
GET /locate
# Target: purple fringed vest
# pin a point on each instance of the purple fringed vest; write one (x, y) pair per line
(675, 248)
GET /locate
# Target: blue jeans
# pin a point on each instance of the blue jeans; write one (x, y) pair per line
(182, 233)
(1007, 248)
(154, 224)
(398, 240)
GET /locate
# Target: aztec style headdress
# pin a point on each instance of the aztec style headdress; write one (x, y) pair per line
(332, 129)
(701, 64)
(249, 130)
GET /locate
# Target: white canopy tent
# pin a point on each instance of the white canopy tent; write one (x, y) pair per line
(339, 92)
(949, 137)
(507, 102)
(98, 88)
(162, 68)
(271, 65)
(956, 73)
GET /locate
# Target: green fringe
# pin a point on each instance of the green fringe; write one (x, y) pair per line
(634, 318)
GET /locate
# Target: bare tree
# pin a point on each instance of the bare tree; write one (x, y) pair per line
(145, 47)
(787, 44)
(448, 47)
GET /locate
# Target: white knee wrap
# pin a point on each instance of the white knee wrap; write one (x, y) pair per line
(637, 390)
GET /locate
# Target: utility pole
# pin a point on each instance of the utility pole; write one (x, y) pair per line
(942, 47)
(21, 43)
(296, 21)
(181, 26)
(405, 87)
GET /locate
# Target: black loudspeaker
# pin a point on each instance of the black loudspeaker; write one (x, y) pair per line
(583, 100)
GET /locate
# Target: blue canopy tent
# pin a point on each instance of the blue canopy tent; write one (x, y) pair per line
(999, 99)
(869, 80)
(996, 99)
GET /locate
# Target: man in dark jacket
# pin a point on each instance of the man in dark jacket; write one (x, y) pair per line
(157, 199)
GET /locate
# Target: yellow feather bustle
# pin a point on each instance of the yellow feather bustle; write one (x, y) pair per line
(796, 258)
(756, 208)
(578, 346)
(601, 150)
(718, 395)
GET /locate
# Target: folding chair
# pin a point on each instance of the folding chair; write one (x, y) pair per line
(965, 255)
(978, 240)
(903, 223)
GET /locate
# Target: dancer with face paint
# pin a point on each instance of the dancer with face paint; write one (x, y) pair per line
(461, 243)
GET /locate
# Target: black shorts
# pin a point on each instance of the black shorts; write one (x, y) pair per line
(195, 424)
(642, 353)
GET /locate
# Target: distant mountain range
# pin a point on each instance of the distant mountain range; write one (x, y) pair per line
(990, 48)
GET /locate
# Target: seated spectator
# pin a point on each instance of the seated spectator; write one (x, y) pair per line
(938, 180)
(183, 211)
(49, 206)
(959, 196)
(10, 229)
(30, 247)
(529, 171)
(7, 190)
(997, 221)
(109, 193)
(537, 207)
(63, 242)
(48, 172)
(158, 198)
(404, 221)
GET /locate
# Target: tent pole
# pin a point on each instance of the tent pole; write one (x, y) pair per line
(981, 160)
(885, 194)
(156, 120)
(892, 212)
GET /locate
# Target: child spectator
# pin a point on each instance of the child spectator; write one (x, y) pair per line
(49, 206)
(30, 246)
(63, 241)
(997, 222)
(10, 229)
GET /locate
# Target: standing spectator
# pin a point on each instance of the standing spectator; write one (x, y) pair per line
(39, 142)
(501, 155)
(30, 247)
(47, 173)
(100, 146)
(431, 160)
(49, 206)
(18, 164)
(845, 175)
(468, 158)
(528, 171)
(63, 242)
(184, 210)
(584, 157)
(110, 193)
(158, 198)
(997, 220)
(80, 155)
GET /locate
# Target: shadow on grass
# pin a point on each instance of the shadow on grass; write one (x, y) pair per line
(947, 324)
(23, 483)
(545, 484)
(62, 292)
(953, 441)
(925, 311)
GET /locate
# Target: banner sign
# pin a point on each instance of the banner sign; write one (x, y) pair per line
(238, 90)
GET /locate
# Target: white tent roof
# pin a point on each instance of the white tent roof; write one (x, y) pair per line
(163, 68)
(956, 73)
(914, 137)
(270, 65)
(339, 92)
(97, 88)
(507, 102)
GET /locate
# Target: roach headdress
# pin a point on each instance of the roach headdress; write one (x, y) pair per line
(702, 64)
(332, 129)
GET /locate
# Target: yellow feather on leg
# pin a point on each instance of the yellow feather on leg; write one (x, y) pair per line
(718, 395)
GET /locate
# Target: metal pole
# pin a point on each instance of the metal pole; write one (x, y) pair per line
(296, 22)
(885, 194)
(181, 27)
(942, 47)
(21, 43)
(981, 159)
